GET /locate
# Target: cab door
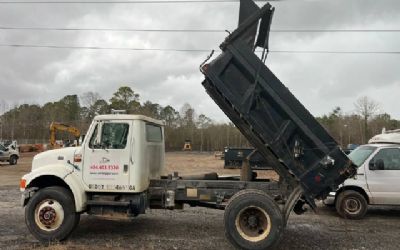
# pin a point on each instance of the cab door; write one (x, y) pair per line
(384, 183)
(107, 157)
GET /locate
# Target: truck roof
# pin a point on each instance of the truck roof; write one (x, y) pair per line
(382, 145)
(129, 117)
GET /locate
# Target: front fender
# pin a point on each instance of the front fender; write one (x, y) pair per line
(70, 176)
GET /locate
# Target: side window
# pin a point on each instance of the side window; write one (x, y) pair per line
(153, 133)
(390, 158)
(114, 135)
(2, 148)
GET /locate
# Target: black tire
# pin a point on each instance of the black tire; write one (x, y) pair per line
(45, 208)
(253, 220)
(351, 204)
(13, 160)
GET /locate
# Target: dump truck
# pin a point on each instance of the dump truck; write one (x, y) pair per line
(119, 167)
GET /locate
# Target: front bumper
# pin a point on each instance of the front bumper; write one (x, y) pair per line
(27, 194)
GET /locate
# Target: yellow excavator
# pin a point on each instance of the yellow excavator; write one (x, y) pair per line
(54, 126)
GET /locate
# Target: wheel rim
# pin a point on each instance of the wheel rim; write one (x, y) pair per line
(352, 206)
(49, 215)
(253, 223)
(13, 160)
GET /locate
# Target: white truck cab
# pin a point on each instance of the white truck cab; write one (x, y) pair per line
(377, 181)
(119, 155)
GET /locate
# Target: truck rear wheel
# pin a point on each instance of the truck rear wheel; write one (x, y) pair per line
(50, 214)
(351, 205)
(253, 220)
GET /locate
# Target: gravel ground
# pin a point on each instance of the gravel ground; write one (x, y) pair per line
(201, 228)
(193, 228)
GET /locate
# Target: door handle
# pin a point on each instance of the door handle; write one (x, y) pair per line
(125, 168)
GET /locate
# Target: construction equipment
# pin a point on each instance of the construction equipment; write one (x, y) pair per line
(55, 126)
(187, 146)
(118, 168)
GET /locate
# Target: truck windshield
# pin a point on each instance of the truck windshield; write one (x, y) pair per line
(360, 154)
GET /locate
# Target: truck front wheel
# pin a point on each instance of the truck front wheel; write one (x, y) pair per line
(253, 220)
(50, 214)
(351, 205)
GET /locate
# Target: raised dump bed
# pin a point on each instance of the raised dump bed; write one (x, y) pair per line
(268, 114)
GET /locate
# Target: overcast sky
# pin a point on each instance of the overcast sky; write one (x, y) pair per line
(319, 81)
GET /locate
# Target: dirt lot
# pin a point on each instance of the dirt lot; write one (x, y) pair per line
(193, 228)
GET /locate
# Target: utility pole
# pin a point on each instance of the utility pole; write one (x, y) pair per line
(227, 136)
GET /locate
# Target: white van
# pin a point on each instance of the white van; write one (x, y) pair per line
(378, 177)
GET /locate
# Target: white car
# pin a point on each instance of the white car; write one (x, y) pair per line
(377, 181)
(9, 154)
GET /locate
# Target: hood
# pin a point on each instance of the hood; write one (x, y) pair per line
(54, 157)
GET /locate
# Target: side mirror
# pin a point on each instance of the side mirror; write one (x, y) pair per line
(376, 164)
(6, 150)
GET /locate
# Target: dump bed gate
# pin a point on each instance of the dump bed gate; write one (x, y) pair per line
(266, 112)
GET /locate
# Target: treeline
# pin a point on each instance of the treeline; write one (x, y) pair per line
(30, 123)
(357, 127)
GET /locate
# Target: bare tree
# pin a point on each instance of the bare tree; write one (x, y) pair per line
(366, 108)
(88, 99)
